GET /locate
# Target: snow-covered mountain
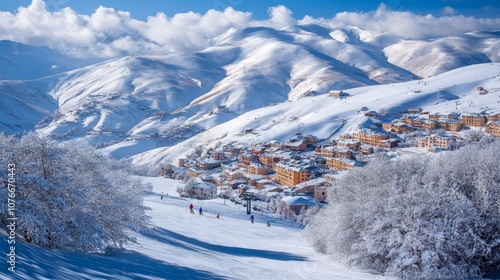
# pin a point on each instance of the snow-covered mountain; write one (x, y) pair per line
(327, 117)
(134, 104)
(21, 62)
(427, 58)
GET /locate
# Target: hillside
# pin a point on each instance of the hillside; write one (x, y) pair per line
(134, 104)
(327, 117)
(16, 61)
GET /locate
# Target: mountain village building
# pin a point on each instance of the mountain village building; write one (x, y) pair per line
(369, 137)
(258, 169)
(439, 141)
(493, 128)
(334, 151)
(474, 119)
(291, 175)
(342, 164)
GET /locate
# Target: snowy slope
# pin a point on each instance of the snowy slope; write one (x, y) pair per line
(133, 104)
(23, 104)
(186, 246)
(328, 117)
(17, 61)
(427, 58)
(146, 97)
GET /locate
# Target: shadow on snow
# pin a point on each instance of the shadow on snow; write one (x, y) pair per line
(192, 244)
(36, 263)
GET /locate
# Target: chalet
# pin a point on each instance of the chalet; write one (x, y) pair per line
(334, 151)
(235, 175)
(389, 143)
(402, 128)
(368, 137)
(203, 191)
(428, 124)
(195, 172)
(320, 193)
(366, 149)
(437, 116)
(474, 119)
(335, 93)
(494, 117)
(414, 110)
(412, 120)
(242, 188)
(217, 154)
(234, 149)
(330, 179)
(296, 203)
(209, 163)
(166, 170)
(269, 160)
(388, 126)
(437, 140)
(307, 187)
(258, 169)
(296, 143)
(310, 139)
(351, 144)
(181, 162)
(248, 158)
(493, 128)
(449, 124)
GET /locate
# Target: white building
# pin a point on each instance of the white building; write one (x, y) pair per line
(204, 191)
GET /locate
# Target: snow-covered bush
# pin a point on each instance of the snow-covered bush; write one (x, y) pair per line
(417, 217)
(70, 197)
(473, 135)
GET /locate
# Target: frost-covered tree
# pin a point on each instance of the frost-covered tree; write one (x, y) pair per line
(70, 197)
(473, 135)
(429, 217)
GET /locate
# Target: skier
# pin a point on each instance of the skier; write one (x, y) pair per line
(191, 208)
(217, 216)
(268, 224)
(252, 218)
(201, 211)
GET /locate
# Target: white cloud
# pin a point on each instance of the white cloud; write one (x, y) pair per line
(448, 11)
(408, 25)
(108, 32)
(281, 16)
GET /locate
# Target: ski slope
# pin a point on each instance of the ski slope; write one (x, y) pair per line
(181, 245)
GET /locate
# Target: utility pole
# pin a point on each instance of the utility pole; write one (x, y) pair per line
(248, 198)
(298, 127)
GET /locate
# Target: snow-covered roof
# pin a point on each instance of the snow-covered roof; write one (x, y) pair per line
(300, 200)
(313, 182)
(347, 141)
(205, 185)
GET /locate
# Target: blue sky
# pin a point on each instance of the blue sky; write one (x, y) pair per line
(321, 8)
(157, 26)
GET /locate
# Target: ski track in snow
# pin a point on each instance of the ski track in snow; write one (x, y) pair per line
(181, 245)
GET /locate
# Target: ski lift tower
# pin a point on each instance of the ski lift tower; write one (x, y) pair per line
(248, 198)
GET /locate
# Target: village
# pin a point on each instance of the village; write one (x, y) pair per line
(295, 175)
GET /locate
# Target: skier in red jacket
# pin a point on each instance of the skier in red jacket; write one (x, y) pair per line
(191, 208)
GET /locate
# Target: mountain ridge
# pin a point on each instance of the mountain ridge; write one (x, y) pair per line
(169, 98)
